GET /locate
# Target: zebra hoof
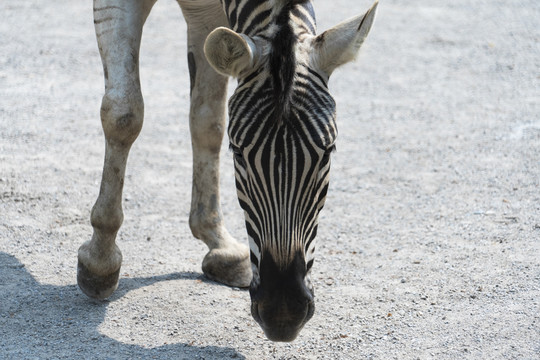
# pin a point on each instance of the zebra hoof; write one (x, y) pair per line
(96, 286)
(230, 266)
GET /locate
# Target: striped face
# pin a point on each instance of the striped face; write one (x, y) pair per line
(282, 163)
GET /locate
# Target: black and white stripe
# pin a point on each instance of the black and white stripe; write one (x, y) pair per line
(282, 130)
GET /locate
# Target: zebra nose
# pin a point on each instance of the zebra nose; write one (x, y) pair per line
(282, 317)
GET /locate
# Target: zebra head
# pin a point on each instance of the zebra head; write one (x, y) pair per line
(282, 130)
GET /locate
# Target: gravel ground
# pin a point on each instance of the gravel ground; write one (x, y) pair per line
(429, 244)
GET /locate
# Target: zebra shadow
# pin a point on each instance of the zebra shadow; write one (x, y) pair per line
(40, 321)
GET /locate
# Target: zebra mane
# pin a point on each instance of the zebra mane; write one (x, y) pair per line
(283, 60)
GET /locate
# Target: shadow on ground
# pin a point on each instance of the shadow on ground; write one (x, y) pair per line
(47, 321)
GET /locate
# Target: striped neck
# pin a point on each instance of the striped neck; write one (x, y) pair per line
(261, 17)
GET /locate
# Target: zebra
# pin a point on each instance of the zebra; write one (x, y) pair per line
(282, 130)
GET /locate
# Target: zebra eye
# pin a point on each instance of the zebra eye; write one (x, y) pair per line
(238, 156)
(235, 149)
(329, 151)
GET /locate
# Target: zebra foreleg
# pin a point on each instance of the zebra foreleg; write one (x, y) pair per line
(118, 27)
(227, 260)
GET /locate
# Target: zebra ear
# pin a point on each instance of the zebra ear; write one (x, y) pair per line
(228, 52)
(340, 44)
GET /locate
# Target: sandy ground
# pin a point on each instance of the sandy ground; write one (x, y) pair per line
(429, 245)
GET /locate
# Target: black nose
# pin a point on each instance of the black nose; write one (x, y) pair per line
(282, 320)
(280, 301)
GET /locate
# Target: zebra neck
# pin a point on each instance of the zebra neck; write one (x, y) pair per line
(260, 17)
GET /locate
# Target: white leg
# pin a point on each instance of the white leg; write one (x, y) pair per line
(227, 261)
(118, 26)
